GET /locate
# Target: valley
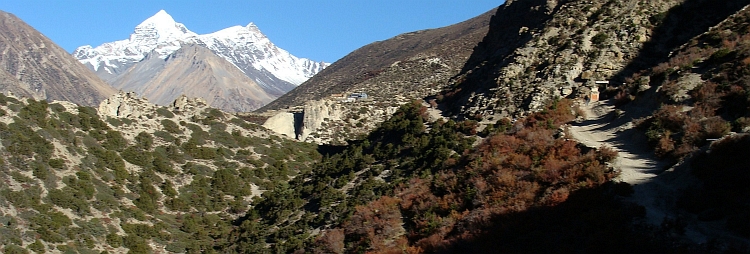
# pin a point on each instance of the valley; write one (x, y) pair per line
(539, 126)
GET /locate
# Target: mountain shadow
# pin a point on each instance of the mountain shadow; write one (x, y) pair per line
(591, 221)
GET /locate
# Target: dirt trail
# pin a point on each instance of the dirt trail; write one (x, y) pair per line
(655, 187)
(601, 128)
(638, 166)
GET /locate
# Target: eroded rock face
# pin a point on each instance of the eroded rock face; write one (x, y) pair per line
(329, 121)
(282, 123)
(125, 104)
(315, 113)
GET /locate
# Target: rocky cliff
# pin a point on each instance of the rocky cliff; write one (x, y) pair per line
(329, 121)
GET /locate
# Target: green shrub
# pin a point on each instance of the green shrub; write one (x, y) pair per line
(165, 112)
(37, 246)
(15, 107)
(212, 114)
(161, 164)
(56, 163)
(14, 249)
(137, 156)
(144, 141)
(170, 126)
(114, 240)
(165, 136)
(35, 111)
(721, 53)
(114, 121)
(114, 141)
(89, 119)
(599, 38)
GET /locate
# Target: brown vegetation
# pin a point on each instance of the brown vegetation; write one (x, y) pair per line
(509, 172)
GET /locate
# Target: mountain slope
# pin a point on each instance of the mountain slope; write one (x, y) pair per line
(247, 48)
(31, 65)
(193, 71)
(407, 63)
(132, 176)
(560, 48)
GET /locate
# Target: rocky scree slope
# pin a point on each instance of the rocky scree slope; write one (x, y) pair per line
(31, 65)
(132, 176)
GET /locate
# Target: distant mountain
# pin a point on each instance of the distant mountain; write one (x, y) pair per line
(33, 66)
(275, 70)
(194, 71)
(410, 65)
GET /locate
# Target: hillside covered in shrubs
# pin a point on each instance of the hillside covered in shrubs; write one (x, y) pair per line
(497, 171)
(77, 182)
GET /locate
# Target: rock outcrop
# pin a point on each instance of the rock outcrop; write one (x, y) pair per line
(539, 50)
(127, 105)
(316, 113)
(330, 121)
(184, 103)
(282, 123)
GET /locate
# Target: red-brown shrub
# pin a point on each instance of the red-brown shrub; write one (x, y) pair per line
(605, 153)
(376, 224)
(665, 146)
(332, 241)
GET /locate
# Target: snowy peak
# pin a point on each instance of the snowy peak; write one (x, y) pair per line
(253, 27)
(158, 29)
(160, 18)
(245, 47)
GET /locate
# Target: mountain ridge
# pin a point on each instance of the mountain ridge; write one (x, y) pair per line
(35, 67)
(246, 47)
(350, 73)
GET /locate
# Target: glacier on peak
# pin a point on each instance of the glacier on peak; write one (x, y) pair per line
(246, 47)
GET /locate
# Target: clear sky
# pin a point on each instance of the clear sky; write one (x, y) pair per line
(322, 30)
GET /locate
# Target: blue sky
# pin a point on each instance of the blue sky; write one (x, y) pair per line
(322, 30)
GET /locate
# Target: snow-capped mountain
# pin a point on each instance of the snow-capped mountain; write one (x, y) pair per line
(273, 68)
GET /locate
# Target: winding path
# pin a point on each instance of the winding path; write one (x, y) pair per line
(655, 187)
(637, 164)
